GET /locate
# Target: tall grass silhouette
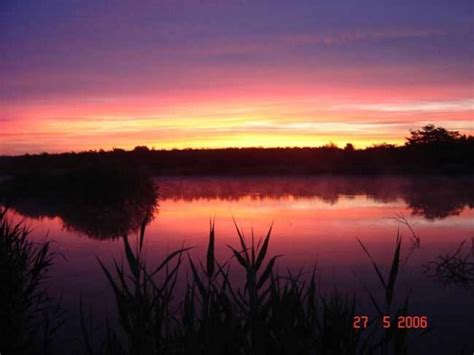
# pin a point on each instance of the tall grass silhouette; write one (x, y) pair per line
(270, 313)
(29, 318)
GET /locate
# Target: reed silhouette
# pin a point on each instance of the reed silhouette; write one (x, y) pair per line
(271, 313)
(29, 318)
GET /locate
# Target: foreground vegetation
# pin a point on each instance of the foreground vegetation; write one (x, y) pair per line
(266, 313)
(29, 318)
(269, 314)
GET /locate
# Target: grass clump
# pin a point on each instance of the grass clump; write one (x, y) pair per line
(29, 318)
(269, 313)
(454, 268)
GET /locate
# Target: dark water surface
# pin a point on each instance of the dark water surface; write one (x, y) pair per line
(314, 219)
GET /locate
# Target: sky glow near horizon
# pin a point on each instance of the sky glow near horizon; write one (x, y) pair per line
(79, 75)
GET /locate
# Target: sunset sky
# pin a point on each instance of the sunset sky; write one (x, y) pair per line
(82, 74)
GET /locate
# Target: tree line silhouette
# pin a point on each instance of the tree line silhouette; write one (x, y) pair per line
(429, 150)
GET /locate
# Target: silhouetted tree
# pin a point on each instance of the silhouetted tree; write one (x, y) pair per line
(349, 147)
(382, 146)
(430, 134)
(141, 148)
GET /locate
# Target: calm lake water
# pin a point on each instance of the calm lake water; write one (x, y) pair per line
(315, 220)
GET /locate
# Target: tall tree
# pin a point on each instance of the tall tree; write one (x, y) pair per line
(430, 134)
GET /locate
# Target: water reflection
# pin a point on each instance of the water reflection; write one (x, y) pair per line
(100, 202)
(105, 203)
(429, 197)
